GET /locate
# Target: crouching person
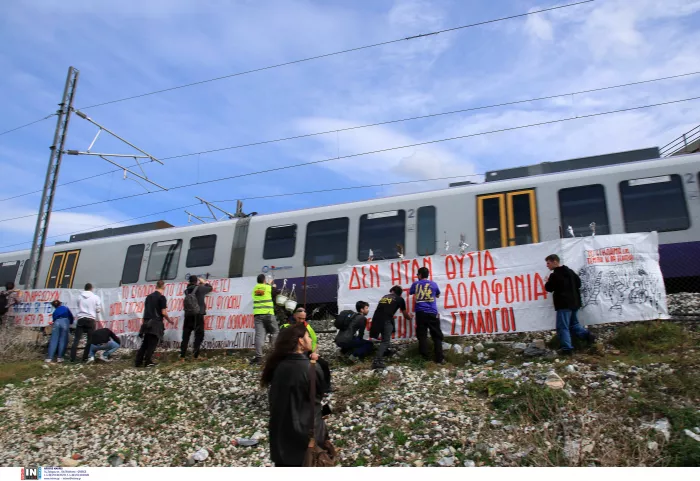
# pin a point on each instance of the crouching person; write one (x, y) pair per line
(103, 340)
(351, 332)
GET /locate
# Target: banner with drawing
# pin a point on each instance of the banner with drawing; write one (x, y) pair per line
(228, 323)
(503, 290)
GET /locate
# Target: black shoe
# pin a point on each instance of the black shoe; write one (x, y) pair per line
(256, 361)
(378, 365)
(389, 353)
(151, 364)
(441, 363)
(566, 352)
(592, 338)
(326, 410)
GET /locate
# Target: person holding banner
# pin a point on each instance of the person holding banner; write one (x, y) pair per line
(194, 315)
(61, 319)
(155, 309)
(383, 322)
(566, 285)
(427, 317)
(89, 309)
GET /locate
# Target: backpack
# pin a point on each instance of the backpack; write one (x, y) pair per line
(191, 303)
(3, 302)
(342, 322)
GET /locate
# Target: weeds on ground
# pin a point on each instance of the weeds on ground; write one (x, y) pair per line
(650, 337)
(527, 400)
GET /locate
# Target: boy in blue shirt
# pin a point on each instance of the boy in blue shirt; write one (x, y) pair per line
(425, 293)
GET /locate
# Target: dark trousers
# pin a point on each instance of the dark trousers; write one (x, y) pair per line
(387, 331)
(358, 347)
(148, 347)
(85, 325)
(429, 323)
(326, 368)
(192, 323)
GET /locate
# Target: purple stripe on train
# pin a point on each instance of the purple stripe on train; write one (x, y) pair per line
(680, 260)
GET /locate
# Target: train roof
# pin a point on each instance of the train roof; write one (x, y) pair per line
(476, 188)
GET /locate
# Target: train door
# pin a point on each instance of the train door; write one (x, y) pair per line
(507, 219)
(62, 269)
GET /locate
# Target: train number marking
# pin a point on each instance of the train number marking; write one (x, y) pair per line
(689, 179)
(411, 213)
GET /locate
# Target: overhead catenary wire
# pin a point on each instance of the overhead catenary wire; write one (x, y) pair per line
(288, 194)
(27, 125)
(354, 49)
(360, 154)
(387, 122)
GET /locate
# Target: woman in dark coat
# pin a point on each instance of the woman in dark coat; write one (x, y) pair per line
(286, 373)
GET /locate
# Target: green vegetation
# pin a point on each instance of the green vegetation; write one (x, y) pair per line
(650, 337)
(524, 401)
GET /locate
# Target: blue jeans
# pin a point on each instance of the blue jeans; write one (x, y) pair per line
(59, 338)
(567, 323)
(110, 346)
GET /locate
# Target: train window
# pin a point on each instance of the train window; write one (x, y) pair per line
(8, 272)
(327, 242)
(426, 231)
(280, 241)
(654, 204)
(201, 252)
(580, 206)
(132, 264)
(384, 233)
(25, 273)
(162, 263)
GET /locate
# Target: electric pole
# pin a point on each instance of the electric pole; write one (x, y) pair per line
(47, 196)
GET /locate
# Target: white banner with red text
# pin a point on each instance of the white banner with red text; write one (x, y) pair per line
(228, 323)
(503, 290)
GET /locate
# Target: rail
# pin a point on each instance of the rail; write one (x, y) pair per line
(680, 143)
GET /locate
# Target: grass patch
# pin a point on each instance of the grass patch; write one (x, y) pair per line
(682, 382)
(69, 396)
(650, 337)
(16, 372)
(524, 401)
(366, 385)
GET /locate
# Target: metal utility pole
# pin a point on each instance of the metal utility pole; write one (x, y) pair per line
(47, 196)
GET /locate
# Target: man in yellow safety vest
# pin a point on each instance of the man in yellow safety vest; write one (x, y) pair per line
(264, 314)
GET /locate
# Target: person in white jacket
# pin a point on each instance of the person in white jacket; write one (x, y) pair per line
(89, 309)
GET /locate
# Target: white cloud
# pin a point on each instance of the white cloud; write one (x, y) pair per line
(540, 27)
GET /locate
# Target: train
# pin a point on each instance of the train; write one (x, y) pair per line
(635, 191)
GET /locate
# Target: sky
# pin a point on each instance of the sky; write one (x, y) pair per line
(126, 47)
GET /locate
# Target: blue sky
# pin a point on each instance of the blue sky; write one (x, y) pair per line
(127, 47)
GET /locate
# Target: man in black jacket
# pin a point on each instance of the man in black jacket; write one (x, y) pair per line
(383, 322)
(195, 322)
(565, 285)
(351, 339)
(155, 309)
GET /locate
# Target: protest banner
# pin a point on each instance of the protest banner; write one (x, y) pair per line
(503, 290)
(228, 323)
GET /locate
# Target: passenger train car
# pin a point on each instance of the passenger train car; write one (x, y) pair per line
(660, 194)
